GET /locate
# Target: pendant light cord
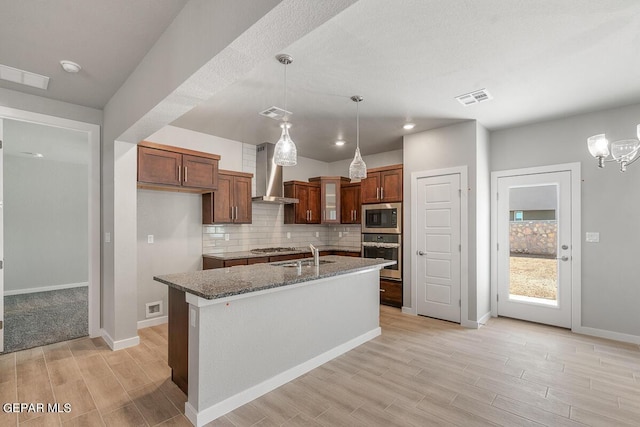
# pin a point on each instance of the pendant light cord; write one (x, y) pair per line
(358, 125)
(286, 114)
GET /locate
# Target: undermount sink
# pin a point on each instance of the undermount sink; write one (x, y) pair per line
(301, 263)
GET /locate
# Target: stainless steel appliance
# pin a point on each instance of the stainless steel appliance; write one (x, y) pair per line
(386, 246)
(382, 218)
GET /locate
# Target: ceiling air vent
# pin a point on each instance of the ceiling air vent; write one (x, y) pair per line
(474, 97)
(275, 113)
(23, 77)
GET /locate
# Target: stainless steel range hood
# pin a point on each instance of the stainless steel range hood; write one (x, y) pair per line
(269, 188)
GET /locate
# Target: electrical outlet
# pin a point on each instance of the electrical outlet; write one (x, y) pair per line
(193, 318)
(150, 238)
(226, 237)
(592, 237)
(317, 234)
(288, 234)
(107, 237)
(339, 233)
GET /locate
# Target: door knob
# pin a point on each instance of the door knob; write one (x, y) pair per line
(421, 253)
(565, 247)
(564, 258)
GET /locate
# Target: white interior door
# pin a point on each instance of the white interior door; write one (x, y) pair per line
(438, 256)
(534, 247)
(1, 240)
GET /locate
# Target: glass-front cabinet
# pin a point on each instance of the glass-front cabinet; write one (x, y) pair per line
(330, 197)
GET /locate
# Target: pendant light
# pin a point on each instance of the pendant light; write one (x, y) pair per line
(357, 168)
(285, 153)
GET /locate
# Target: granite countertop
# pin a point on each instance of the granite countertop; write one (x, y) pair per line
(303, 250)
(242, 279)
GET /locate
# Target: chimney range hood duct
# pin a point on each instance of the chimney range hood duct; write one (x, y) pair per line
(269, 188)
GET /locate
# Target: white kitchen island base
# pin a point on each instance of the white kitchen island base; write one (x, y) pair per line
(243, 346)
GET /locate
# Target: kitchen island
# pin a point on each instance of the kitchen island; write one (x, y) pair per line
(253, 328)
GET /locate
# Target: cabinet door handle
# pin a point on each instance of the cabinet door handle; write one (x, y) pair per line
(231, 212)
(381, 191)
(382, 290)
(185, 174)
(377, 193)
(236, 212)
(179, 174)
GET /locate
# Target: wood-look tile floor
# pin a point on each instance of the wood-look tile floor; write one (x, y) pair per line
(420, 372)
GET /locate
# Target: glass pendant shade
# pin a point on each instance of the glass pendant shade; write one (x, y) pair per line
(625, 150)
(598, 145)
(357, 168)
(285, 153)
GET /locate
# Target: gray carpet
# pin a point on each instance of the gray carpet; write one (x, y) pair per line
(41, 318)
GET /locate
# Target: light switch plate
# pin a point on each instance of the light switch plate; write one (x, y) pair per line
(150, 238)
(107, 237)
(592, 237)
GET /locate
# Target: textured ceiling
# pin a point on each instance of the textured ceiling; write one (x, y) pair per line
(539, 59)
(108, 38)
(409, 58)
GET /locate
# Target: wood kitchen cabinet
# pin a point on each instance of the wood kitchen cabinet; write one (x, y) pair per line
(231, 202)
(382, 185)
(162, 167)
(330, 197)
(391, 293)
(307, 210)
(350, 212)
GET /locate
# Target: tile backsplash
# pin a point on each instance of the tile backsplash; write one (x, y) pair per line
(268, 230)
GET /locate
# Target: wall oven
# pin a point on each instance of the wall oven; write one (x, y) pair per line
(386, 246)
(382, 218)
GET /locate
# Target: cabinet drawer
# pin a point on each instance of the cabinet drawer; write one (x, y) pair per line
(279, 258)
(391, 293)
(260, 260)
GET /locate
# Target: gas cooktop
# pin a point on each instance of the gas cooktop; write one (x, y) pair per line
(271, 250)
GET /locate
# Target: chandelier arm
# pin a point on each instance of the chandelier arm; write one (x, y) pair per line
(633, 161)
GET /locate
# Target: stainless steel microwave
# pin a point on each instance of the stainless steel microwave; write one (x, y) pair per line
(382, 218)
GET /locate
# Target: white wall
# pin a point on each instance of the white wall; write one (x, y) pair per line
(38, 104)
(45, 208)
(446, 147)
(483, 224)
(174, 220)
(610, 205)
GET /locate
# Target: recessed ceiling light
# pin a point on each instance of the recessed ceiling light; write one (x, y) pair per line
(409, 126)
(70, 66)
(340, 143)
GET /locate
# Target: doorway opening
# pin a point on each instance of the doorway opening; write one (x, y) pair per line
(49, 282)
(535, 249)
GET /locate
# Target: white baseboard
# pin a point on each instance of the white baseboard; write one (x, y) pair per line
(601, 333)
(120, 344)
(46, 288)
(152, 322)
(206, 415)
(409, 310)
(484, 319)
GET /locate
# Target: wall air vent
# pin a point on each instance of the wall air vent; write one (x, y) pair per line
(275, 113)
(474, 97)
(23, 77)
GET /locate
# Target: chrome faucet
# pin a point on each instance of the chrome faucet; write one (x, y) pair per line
(316, 255)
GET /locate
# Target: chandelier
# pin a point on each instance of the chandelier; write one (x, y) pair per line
(623, 151)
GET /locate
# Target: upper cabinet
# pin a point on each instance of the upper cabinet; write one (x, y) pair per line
(307, 210)
(382, 185)
(231, 202)
(330, 195)
(350, 211)
(172, 168)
